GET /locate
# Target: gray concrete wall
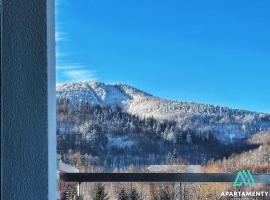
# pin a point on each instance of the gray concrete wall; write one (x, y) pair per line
(25, 120)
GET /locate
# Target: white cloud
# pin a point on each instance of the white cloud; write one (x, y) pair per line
(80, 75)
(60, 54)
(67, 71)
(60, 36)
(69, 66)
(74, 72)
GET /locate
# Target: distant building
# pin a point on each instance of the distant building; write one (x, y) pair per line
(175, 168)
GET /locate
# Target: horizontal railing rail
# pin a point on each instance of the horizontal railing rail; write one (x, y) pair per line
(158, 177)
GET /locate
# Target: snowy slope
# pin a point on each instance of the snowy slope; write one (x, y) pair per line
(92, 92)
(227, 124)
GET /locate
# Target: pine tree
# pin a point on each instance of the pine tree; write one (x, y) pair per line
(134, 195)
(174, 154)
(169, 158)
(70, 192)
(100, 193)
(189, 138)
(166, 194)
(122, 195)
(180, 137)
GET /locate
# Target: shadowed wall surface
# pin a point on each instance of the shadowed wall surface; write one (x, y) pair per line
(24, 105)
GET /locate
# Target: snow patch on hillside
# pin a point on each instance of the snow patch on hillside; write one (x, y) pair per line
(229, 125)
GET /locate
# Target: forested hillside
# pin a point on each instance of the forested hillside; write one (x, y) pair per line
(109, 138)
(228, 125)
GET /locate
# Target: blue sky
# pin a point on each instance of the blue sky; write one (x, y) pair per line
(215, 52)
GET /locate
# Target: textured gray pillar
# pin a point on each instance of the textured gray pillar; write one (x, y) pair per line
(27, 94)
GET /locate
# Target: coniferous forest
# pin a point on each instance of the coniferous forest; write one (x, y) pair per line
(111, 139)
(136, 132)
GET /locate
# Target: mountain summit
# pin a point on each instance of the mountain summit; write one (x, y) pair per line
(228, 125)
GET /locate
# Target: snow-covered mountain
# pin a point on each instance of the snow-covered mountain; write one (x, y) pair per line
(227, 124)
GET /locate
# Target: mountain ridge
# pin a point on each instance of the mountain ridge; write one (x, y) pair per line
(60, 86)
(228, 124)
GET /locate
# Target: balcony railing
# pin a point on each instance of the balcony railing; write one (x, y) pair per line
(158, 177)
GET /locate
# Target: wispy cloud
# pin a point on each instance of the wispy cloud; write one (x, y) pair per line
(80, 75)
(73, 72)
(60, 54)
(60, 35)
(68, 69)
(70, 66)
